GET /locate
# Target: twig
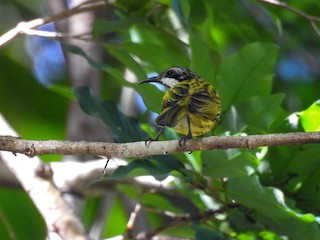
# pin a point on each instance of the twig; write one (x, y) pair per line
(185, 218)
(296, 11)
(315, 27)
(25, 27)
(131, 221)
(138, 149)
(312, 19)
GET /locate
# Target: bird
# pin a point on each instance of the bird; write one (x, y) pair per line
(191, 106)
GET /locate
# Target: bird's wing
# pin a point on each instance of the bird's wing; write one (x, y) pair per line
(173, 106)
(205, 103)
(170, 116)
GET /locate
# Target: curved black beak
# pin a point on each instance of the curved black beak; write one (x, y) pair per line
(148, 80)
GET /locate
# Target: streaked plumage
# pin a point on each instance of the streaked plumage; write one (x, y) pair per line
(191, 106)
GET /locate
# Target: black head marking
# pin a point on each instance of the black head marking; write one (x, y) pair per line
(179, 73)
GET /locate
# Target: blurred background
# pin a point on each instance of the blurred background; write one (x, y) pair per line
(111, 48)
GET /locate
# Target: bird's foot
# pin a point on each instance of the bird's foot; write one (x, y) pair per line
(182, 141)
(149, 140)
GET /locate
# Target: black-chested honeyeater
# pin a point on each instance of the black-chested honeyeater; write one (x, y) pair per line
(191, 106)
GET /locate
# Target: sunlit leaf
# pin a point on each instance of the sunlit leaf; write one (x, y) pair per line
(310, 118)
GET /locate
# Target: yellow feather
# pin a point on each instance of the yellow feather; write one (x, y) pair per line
(194, 98)
(191, 106)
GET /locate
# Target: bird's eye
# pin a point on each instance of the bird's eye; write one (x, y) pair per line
(170, 73)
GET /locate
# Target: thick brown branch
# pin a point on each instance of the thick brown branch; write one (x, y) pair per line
(138, 149)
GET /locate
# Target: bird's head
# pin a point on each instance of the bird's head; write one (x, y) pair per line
(172, 76)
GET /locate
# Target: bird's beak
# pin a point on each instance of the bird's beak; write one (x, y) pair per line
(148, 80)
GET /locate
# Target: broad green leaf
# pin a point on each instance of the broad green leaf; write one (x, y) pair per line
(159, 201)
(158, 47)
(255, 115)
(182, 10)
(124, 128)
(64, 91)
(296, 171)
(307, 191)
(201, 61)
(131, 6)
(159, 167)
(118, 75)
(231, 121)
(126, 59)
(103, 26)
(117, 214)
(262, 235)
(246, 73)
(218, 164)
(19, 218)
(310, 118)
(282, 162)
(151, 95)
(258, 113)
(34, 111)
(77, 50)
(158, 57)
(269, 208)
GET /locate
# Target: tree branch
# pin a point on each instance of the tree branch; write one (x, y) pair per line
(296, 11)
(311, 19)
(138, 149)
(26, 27)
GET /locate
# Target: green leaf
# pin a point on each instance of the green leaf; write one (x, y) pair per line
(310, 118)
(157, 48)
(32, 110)
(283, 161)
(124, 128)
(159, 167)
(259, 113)
(117, 214)
(151, 95)
(64, 91)
(246, 73)
(160, 202)
(126, 59)
(296, 171)
(231, 164)
(254, 115)
(158, 56)
(270, 209)
(201, 61)
(203, 233)
(77, 50)
(27, 224)
(103, 26)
